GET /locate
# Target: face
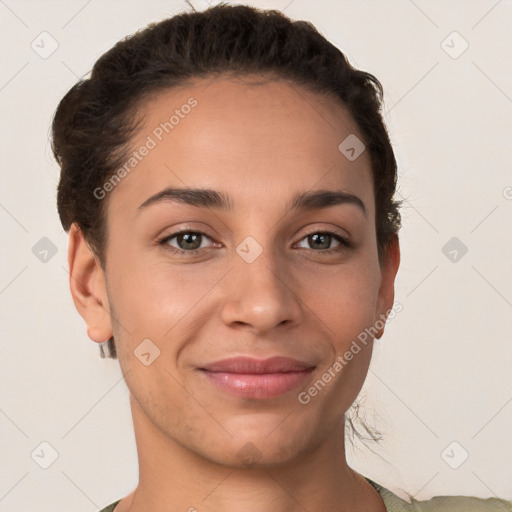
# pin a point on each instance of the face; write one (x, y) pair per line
(190, 283)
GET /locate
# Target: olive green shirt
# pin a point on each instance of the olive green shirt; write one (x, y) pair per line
(437, 504)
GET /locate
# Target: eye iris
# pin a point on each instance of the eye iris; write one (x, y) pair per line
(326, 237)
(189, 238)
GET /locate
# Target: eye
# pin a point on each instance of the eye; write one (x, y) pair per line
(323, 239)
(189, 242)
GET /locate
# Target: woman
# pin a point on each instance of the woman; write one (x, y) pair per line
(227, 183)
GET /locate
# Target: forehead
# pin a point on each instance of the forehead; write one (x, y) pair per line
(250, 137)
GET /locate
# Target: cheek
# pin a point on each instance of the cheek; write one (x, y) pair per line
(345, 299)
(150, 298)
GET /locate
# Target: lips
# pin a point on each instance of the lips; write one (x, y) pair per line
(256, 378)
(278, 364)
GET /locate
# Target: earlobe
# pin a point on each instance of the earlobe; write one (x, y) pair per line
(88, 286)
(389, 269)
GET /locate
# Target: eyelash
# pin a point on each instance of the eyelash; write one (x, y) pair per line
(344, 243)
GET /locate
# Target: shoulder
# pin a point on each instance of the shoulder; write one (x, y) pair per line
(442, 503)
(110, 508)
(437, 504)
(462, 504)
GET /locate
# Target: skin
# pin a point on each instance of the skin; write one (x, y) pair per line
(259, 144)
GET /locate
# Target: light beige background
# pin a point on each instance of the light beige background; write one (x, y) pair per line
(442, 372)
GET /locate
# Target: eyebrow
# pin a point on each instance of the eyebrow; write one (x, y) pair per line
(207, 198)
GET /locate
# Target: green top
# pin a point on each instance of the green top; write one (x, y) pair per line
(437, 504)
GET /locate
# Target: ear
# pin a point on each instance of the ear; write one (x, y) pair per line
(88, 286)
(389, 267)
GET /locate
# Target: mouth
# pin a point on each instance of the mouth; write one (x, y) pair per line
(248, 377)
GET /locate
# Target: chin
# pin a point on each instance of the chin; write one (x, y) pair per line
(264, 448)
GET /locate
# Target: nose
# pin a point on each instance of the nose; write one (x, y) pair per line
(261, 295)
